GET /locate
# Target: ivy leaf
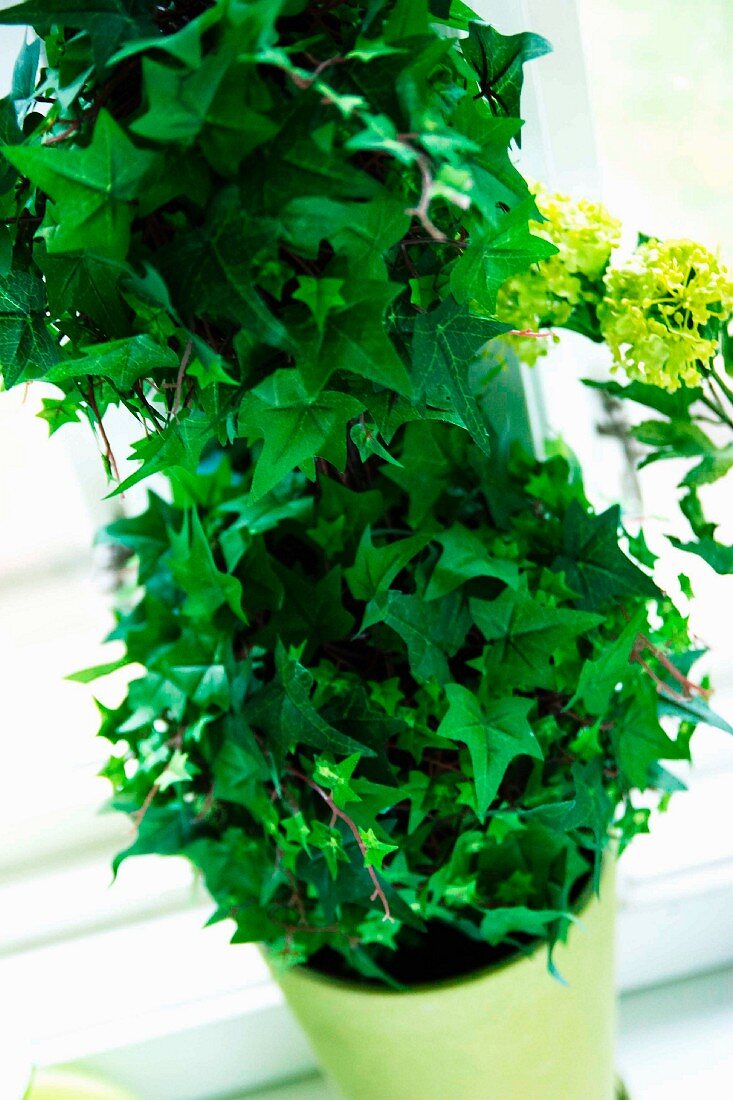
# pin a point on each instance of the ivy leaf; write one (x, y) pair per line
(91, 283)
(446, 343)
(311, 613)
(296, 429)
(354, 340)
(110, 22)
(494, 736)
(238, 772)
(26, 343)
(336, 777)
(594, 564)
(194, 568)
(375, 567)
(431, 631)
(361, 233)
(178, 770)
(208, 101)
(286, 714)
(598, 678)
(145, 535)
(164, 830)
(408, 19)
(718, 556)
(502, 923)
(497, 253)
(175, 448)
(375, 849)
(93, 188)
(525, 633)
(210, 270)
(498, 60)
(641, 742)
(695, 709)
(464, 556)
(124, 361)
(321, 296)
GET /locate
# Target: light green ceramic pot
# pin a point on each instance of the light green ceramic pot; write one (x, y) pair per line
(508, 1033)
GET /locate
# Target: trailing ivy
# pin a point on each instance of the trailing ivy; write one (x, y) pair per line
(260, 221)
(400, 684)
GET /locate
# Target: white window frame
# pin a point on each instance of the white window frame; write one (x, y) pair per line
(178, 1014)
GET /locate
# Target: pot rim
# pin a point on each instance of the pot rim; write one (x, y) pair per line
(585, 901)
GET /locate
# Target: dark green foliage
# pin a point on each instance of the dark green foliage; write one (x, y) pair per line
(681, 430)
(262, 206)
(395, 676)
(348, 714)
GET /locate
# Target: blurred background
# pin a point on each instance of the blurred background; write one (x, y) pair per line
(635, 107)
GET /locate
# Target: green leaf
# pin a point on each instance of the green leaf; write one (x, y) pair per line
(494, 736)
(674, 405)
(361, 233)
(598, 678)
(179, 769)
(123, 361)
(695, 709)
(500, 924)
(110, 22)
(593, 562)
(177, 447)
(321, 296)
(27, 346)
(207, 101)
(194, 569)
(93, 188)
(641, 742)
(295, 428)
(375, 567)
(238, 773)
(91, 283)
(497, 253)
(464, 557)
(375, 849)
(446, 343)
(431, 631)
(498, 61)
(408, 19)
(354, 340)
(210, 269)
(718, 556)
(285, 712)
(526, 633)
(163, 830)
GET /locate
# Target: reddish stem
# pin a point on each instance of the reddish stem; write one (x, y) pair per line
(354, 830)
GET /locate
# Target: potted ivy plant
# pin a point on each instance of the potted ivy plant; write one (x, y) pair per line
(402, 687)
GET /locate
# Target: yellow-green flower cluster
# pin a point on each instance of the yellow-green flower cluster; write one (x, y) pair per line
(662, 311)
(584, 234)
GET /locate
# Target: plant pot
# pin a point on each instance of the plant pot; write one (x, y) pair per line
(512, 1032)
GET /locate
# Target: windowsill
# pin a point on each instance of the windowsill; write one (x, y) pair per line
(147, 996)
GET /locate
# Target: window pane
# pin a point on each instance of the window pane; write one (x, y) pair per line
(660, 86)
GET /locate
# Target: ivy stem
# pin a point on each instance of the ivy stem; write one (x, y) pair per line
(109, 453)
(353, 828)
(689, 687)
(421, 210)
(179, 378)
